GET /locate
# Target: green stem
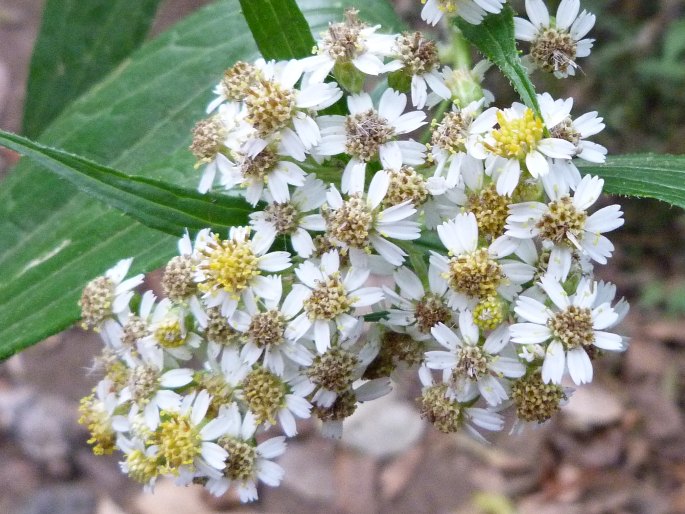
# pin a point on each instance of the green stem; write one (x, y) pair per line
(460, 50)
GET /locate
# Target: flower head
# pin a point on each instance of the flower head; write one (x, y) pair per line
(556, 43)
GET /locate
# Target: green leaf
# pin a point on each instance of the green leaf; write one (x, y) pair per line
(642, 175)
(494, 37)
(155, 204)
(137, 120)
(78, 43)
(279, 28)
(376, 316)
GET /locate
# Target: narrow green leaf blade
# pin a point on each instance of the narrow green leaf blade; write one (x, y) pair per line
(138, 120)
(78, 43)
(155, 204)
(279, 28)
(494, 37)
(643, 175)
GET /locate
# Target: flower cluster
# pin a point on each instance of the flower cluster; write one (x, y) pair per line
(469, 256)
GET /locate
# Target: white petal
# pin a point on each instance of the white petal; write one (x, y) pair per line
(378, 188)
(553, 366)
(579, 366)
(567, 12)
(537, 12)
(391, 105)
(529, 333)
(555, 292)
(409, 283)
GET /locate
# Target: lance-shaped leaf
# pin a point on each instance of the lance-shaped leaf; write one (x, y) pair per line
(78, 43)
(155, 204)
(643, 175)
(138, 120)
(494, 37)
(279, 28)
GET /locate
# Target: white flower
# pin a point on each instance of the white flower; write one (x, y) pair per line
(276, 400)
(417, 57)
(574, 325)
(359, 223)
(232, 268)
(557, 116)
(140, 461)
(564, 224)
(472, 11)
(449, 415)
(476, 273)
(215, 138)
(278, 110)
(134, 326)
(150, 388)
(248, 462)
(351, 41)
(465, 85)
(291, 219)
(368, 133)
(188, 432)
(556, 43)
(264, 329)
(259, 165)
(331, 427)
(168, 333)
(328, 298)
(105, 300)
(336, 371)
(519, 141)
(475, 368)
(454, 144)
(418, 310)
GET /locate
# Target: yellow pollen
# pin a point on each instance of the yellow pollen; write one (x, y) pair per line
(231, 265)
(489, 313)
(269, 107)
(179, 442)
(328, 300)
(517, 137)
(573, 327)
(242, 458)
(491, 211)
(169, 333)
(475, 274)
(264, 393)
(562, 220)
(95, 418)
(141, 468)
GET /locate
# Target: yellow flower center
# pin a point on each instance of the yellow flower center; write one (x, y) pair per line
(516, 137)
(489, 313)
(573, 327)
(475, 274)
(170, 334)
(561, 220)
(178, 440)
(264, 393)
(230, 266)
(98, 422)
(141, 468)
(328, 300)
(491, 210)
(270, 107)
(242, 460)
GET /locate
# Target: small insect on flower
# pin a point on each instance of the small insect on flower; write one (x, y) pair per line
(561, 62)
